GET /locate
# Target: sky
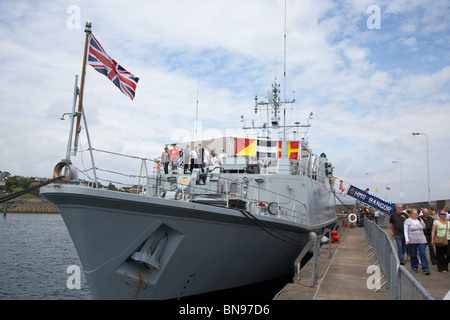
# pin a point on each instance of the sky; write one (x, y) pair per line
(372, 72)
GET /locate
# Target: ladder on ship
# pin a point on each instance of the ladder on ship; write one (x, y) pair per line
(362, 197)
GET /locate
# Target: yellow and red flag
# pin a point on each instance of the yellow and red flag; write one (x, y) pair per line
(245, 147)
(292, 147)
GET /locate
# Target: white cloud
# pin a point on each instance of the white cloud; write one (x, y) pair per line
(368, 89)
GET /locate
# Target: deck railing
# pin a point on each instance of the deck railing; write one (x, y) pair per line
(402, 285)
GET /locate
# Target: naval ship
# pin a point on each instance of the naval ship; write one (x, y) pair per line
(239, 222)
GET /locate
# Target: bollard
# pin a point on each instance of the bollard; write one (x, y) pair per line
(334, 237)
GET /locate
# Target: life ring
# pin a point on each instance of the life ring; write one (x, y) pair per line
(350, 216)
(178, 195)
(273, 208)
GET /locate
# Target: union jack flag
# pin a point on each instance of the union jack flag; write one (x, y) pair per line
(102, 62)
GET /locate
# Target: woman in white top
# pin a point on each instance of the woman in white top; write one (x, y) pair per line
(415, 238)
(214, 159)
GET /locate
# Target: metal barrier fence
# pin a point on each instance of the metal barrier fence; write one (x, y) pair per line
(402, 285)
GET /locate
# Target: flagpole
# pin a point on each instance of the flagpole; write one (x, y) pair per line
(83, 74)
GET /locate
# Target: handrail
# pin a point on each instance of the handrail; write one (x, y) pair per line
(314, 242)
(402, 285)
(310, 170)
(410, 287)
(300, 257)
(289, 208)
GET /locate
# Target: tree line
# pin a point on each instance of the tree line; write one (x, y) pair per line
(18, 183)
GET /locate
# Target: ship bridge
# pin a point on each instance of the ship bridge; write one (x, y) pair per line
(254, 155)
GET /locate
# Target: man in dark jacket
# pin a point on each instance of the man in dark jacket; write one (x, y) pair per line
(396, 221)
(428, 228)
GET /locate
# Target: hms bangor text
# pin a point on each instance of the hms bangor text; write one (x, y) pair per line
(227, 309)
(371, 200)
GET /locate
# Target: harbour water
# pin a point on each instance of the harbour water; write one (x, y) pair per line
(35, 254)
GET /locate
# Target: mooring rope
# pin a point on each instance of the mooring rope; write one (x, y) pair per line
(19, 193)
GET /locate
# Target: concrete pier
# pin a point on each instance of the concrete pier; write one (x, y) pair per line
(348, 274)
(30, 205)
(343, 276)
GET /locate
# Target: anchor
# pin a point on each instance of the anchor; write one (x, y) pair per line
(146, 257)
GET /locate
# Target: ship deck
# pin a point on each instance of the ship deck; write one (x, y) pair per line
(344, 275)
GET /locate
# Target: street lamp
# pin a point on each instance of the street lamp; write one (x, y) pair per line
(401, 180)
(428, 166)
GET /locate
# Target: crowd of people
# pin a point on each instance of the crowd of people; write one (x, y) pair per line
(177, 159)
(414, 231)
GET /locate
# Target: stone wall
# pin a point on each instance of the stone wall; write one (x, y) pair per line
(30, 205)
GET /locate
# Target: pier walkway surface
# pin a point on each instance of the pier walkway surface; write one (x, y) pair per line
(348, 274)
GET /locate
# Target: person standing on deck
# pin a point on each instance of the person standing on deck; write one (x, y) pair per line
(165, 160)
(194, 158)
(187, 155)
(201, 156)
(174, 155)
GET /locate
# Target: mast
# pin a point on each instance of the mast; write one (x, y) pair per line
(69, 142)
(83, 75)
(276, 103)
(196, 108)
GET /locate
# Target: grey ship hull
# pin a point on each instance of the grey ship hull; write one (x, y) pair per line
(139, 247)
